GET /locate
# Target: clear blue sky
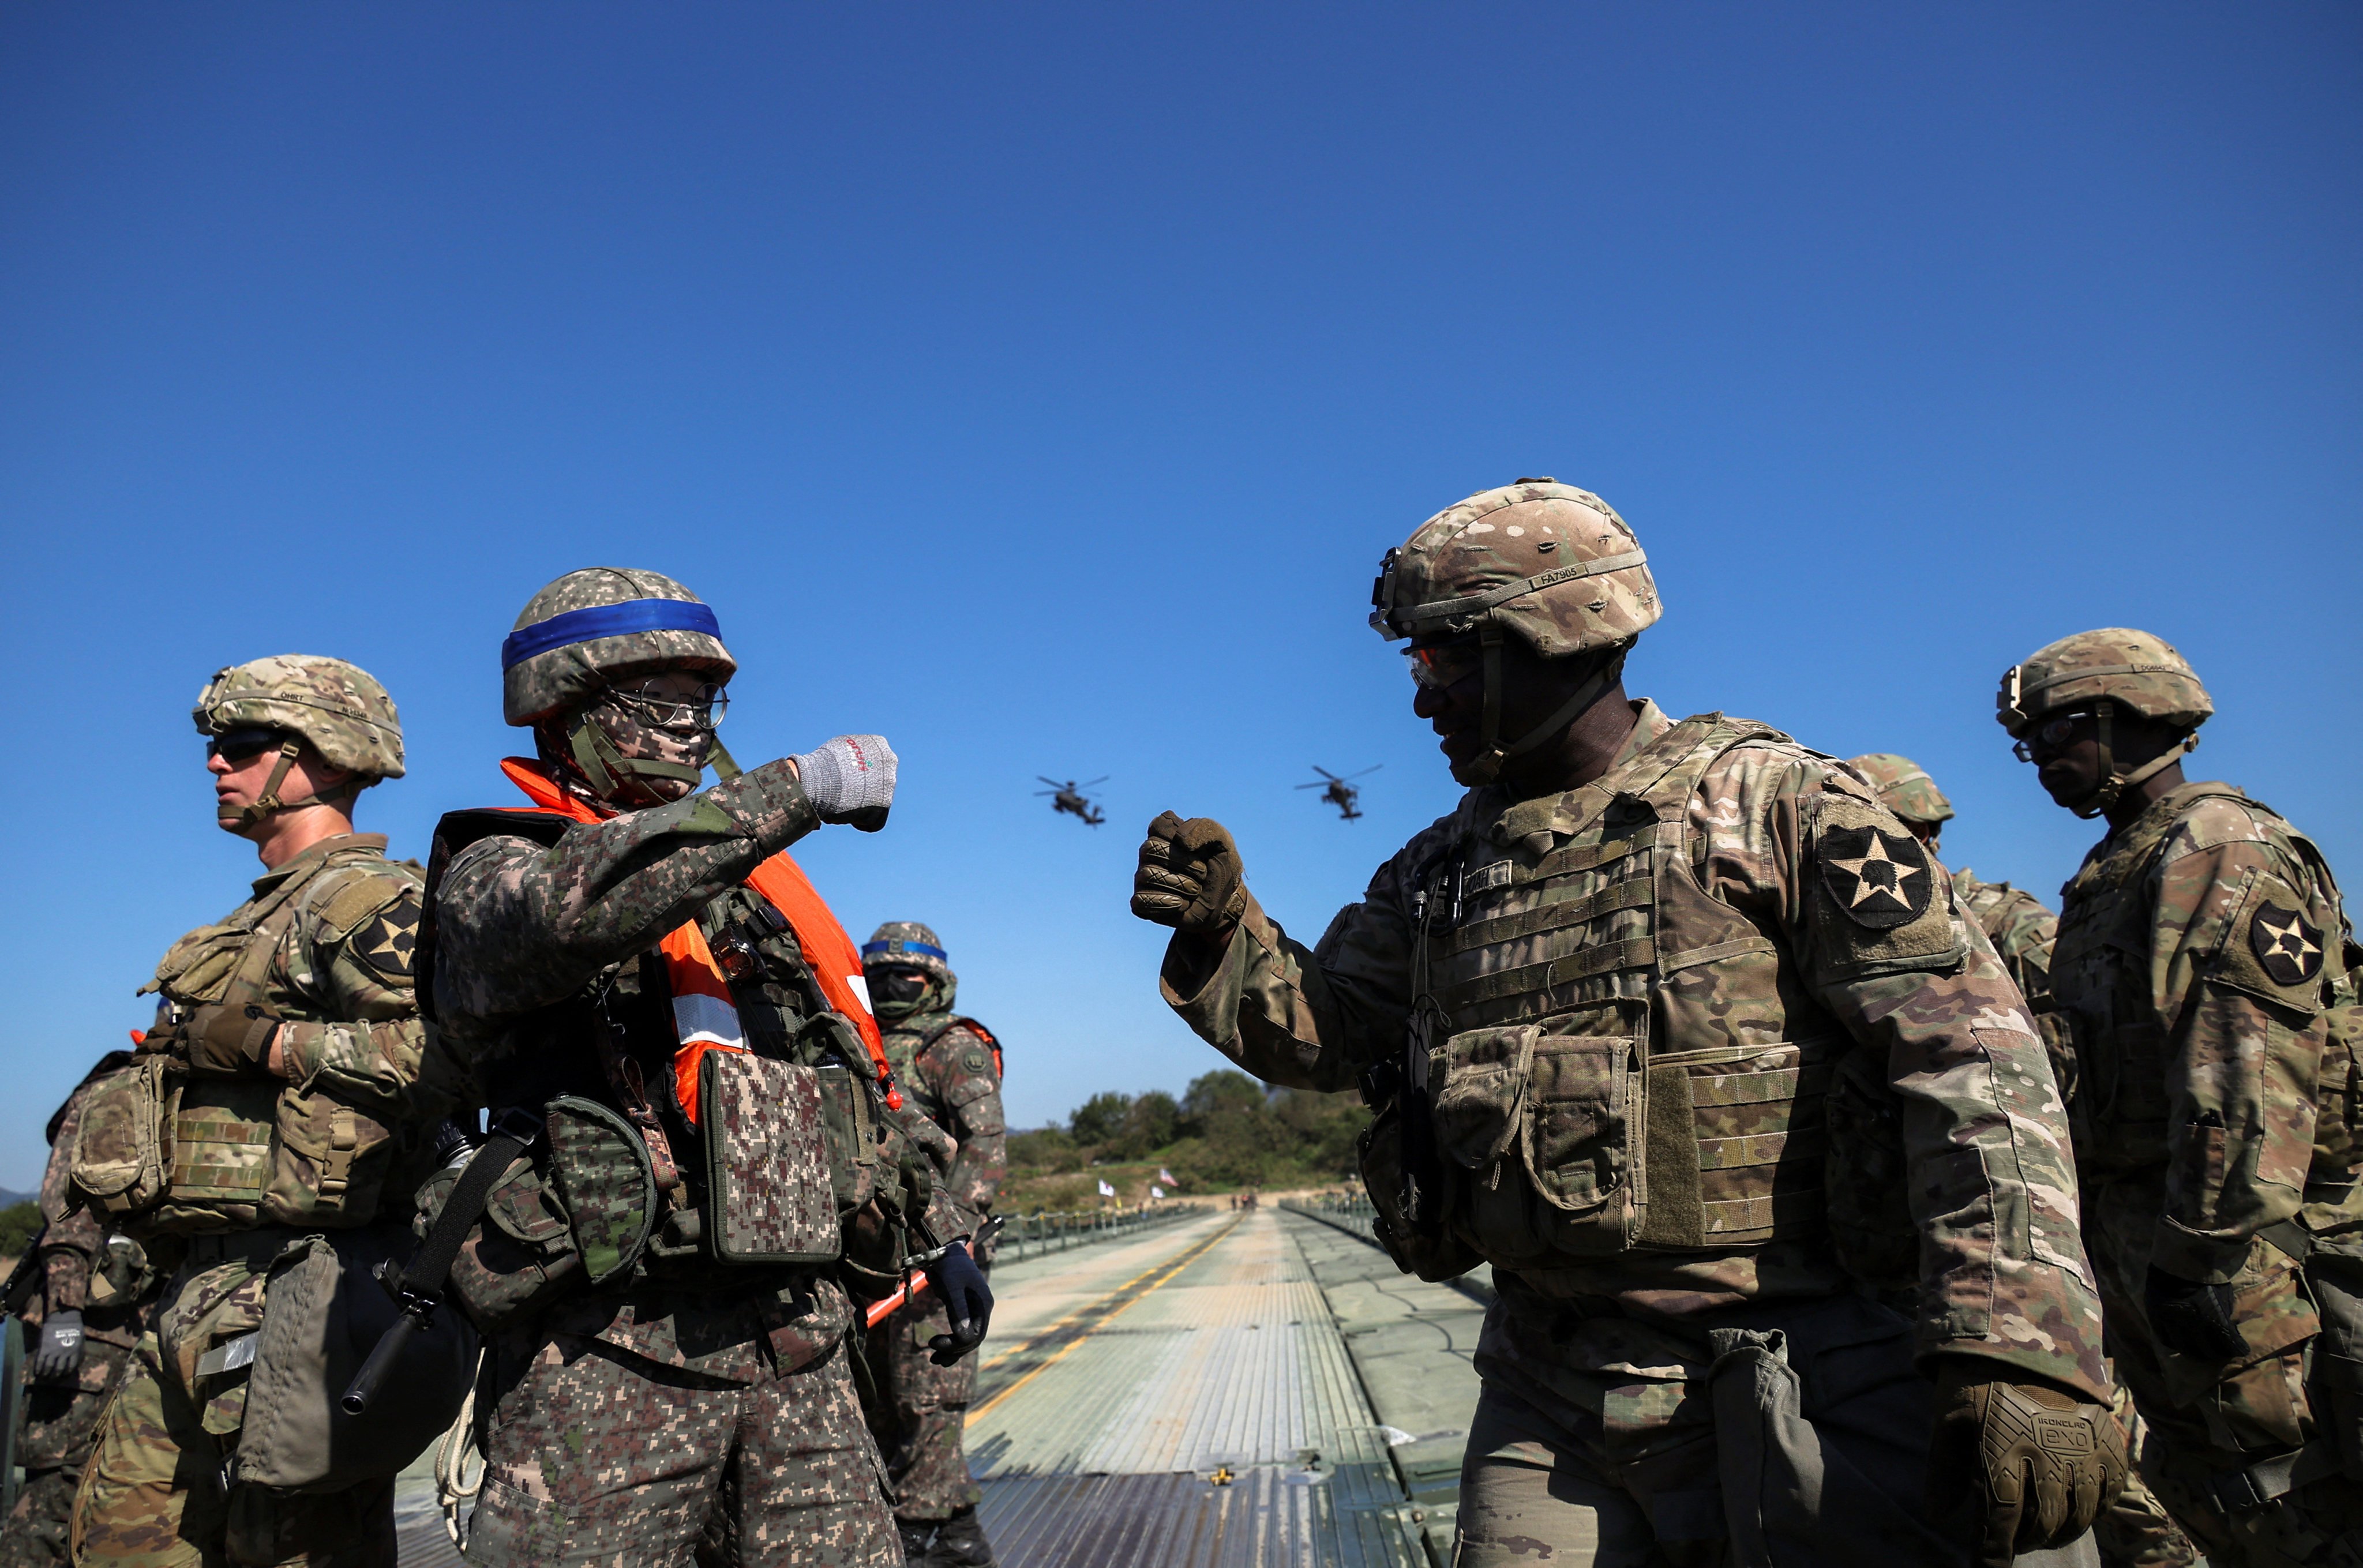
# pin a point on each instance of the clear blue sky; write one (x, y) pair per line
(1040, 386)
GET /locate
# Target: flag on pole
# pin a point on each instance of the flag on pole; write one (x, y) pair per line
(1106, 1191)
(1167, 1177)
(1157, 1192)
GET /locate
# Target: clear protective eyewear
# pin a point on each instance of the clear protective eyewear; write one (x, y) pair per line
(704, 711)
(1445, 663)
(2049, 736)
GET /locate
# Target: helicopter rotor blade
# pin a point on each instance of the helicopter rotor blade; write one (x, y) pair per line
(1054, 784)
(1323, 772)
(1371, 768)
(1089, 782)
(1316, 784)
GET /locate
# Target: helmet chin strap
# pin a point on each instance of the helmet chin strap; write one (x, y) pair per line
(615, 777)
(1486, 767)
(239, 819)
(2113, 783)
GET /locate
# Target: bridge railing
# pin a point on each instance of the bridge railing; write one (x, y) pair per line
(1349, 1212)
(1055, 1230)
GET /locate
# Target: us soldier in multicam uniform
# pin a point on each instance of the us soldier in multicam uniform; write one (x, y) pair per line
(693, 1399)
(1667, 1021)
(952, 1067)
(306, 1098)
(95, 1297)
(2135, 1530)
(2201, 966)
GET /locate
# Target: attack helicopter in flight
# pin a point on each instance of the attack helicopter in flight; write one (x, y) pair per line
(1069, 797)
(1338, 792)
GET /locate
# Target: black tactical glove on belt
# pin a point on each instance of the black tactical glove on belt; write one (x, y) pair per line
(2039, 1463)
(1188, 876)
(960, 1285)
(2192, 1318)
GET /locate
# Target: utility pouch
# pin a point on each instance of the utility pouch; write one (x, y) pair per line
(323, 1312)
(768, 1193)
(850, 1123)
(517, 1259)
(606, 1185)
(330, 1162)
(222, 1131)
(1433, 1253)
(122, 1147)
(2335, 1282)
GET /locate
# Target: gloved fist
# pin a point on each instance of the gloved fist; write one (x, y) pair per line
(1188, 876)
(850, 780)
(57, 1357)
(2192, 1318)
(232, 1039)
(2036, 1462)
(960, 1285)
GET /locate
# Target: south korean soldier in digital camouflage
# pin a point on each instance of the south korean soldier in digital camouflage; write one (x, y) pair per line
(2204, 968)
(1678, 1027)
(289, 1083)
(950, 1066)
(636, 955)
(92, 1295)
(2135, 1530)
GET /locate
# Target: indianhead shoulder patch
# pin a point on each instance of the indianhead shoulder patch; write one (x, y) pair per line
(1880, 879)
(386, 938)
(2288, 948)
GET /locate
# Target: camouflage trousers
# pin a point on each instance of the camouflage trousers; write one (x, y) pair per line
(2136, 1531)
(152, 1494)
(1801, 1438)
(60, 1425)
(2206, 1424)
(596, 1456)
(917, 1410)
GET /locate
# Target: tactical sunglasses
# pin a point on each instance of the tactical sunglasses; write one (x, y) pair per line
(1445, 663)
(704, 711)
(2049, 736)
(237, 746)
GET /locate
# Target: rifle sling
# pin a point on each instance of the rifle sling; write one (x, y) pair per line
(430, 1267)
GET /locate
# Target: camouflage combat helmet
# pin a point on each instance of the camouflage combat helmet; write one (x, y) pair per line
(587, 632)
(906, 944)
(1553, 564)
(1904, 787)
(339, 708)
(2113, 668)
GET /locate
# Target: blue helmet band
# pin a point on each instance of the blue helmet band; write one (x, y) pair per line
(607, 620)
(895, 945)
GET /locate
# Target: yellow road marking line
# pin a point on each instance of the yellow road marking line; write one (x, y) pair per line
(1174, 1267)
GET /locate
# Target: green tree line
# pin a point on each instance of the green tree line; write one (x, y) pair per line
(1226, 1130)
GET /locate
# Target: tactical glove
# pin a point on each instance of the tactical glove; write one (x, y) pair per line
(2033, 1462)
(1188, 876)
(229, 1039)
(850, 780)
(960, 1285)
(2192, 1318)
(57, 1358)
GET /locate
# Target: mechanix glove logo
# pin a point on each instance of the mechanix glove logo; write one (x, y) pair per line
(2290, 949)
(1880, 879)
(385, 940)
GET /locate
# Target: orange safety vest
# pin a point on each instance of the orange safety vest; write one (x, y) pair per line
(704, 1016)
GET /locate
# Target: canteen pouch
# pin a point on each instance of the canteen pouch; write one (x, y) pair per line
(768, 1193)
(606, 1184)
(517, 1258)
(323, 1312)
(122, 1147)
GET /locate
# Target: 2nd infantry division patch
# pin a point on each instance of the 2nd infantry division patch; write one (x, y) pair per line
(385, 940)
(1880, 879)
(2290, 949)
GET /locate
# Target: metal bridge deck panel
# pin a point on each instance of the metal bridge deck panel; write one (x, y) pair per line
(1107, 1452)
